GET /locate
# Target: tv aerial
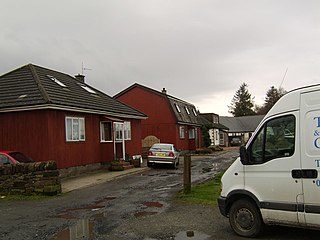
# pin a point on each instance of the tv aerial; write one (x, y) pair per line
(84, 69)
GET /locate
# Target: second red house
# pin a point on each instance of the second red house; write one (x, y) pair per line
(171, 120)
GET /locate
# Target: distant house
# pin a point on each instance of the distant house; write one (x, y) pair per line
(51, 115)
(241, 128)
(170, 119)
(218, 133)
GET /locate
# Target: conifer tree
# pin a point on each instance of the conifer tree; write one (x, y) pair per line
(242, 103)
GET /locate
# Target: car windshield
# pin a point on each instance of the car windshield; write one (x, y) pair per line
(162, 147)
(20, 157)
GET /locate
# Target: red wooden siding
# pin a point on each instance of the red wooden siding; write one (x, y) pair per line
(161, 121)
(41, 134)
(133, 146)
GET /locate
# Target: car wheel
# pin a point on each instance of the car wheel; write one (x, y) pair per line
(245, 218)
(149, 164)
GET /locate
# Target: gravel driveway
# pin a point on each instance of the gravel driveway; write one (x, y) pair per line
(136, 207)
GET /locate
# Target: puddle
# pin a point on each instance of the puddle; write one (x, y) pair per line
(153, 204)
(83, 229)
(192, 235)
(162, 189)
(88, 207)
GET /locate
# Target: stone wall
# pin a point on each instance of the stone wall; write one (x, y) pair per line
(40, 178)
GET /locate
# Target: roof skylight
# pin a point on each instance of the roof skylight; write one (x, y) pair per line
(187, 110)
(194, 111)
(88, 89)
(22, 96)
(56, 81)
(177, 107)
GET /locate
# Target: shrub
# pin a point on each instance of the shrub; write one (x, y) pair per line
(215, 148)
(203, 151)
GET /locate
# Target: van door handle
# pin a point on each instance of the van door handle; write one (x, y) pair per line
(304, 173)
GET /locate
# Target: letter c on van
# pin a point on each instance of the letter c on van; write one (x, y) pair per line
(317, 142)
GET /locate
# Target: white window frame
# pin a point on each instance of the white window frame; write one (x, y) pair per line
(192, 134)
(127, 130)
(75, 129)
(118, 131)
(102, 132)
(122, 131)
(181, 132)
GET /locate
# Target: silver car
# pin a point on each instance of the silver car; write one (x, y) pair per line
(163, 153)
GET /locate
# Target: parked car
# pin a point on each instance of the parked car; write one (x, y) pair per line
(236, 141)
(163, 153)
(14, 157)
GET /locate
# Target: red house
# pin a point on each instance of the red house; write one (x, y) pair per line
(50, 115)
(170, 119)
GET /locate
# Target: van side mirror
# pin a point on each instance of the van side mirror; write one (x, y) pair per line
(244, 158)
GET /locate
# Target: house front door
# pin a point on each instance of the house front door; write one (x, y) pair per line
(119, 144)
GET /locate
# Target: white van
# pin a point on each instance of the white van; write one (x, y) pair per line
(275, 181)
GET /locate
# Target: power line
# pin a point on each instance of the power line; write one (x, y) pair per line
(285, 74)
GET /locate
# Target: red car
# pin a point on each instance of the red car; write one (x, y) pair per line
(13, 157)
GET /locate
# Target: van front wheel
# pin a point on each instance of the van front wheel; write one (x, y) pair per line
(245, 218)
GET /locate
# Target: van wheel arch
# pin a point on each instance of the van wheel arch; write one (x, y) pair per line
(240, 194)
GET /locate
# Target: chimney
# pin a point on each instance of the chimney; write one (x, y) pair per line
(80, 78)
(164, 91)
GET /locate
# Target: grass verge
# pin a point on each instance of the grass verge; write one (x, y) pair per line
(205, 193)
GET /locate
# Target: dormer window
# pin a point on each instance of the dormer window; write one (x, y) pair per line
(88, 89)
(177, 107)
(187, 110)
(52, 78)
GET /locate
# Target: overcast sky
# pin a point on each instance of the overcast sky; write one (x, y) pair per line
(199, 50)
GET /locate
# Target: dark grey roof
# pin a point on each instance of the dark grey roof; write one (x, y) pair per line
(187, 114)
(183, 117)
(208, 119)
(32, 86)
(241, 124)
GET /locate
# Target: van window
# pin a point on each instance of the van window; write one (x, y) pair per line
(275, 139)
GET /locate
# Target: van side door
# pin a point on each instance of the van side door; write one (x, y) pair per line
(273, 154)
(310, 156)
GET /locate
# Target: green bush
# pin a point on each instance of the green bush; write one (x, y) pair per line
(215, 148)
(203, 151)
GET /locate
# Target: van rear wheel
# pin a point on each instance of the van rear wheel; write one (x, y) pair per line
(245, 218)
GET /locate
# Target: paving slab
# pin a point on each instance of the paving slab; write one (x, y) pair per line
(89, 179)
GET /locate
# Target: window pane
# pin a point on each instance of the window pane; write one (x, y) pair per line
(182, 132)
(75, 129)
(69, 129)
(191, 133)
(105, 131)
(3, 159)
(280, 137)
(119, 128)
(127, 130)
(81, 129)
(257, 148)
(275, 140)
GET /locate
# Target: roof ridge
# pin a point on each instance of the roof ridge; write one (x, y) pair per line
(37, 79)
(168, 96)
